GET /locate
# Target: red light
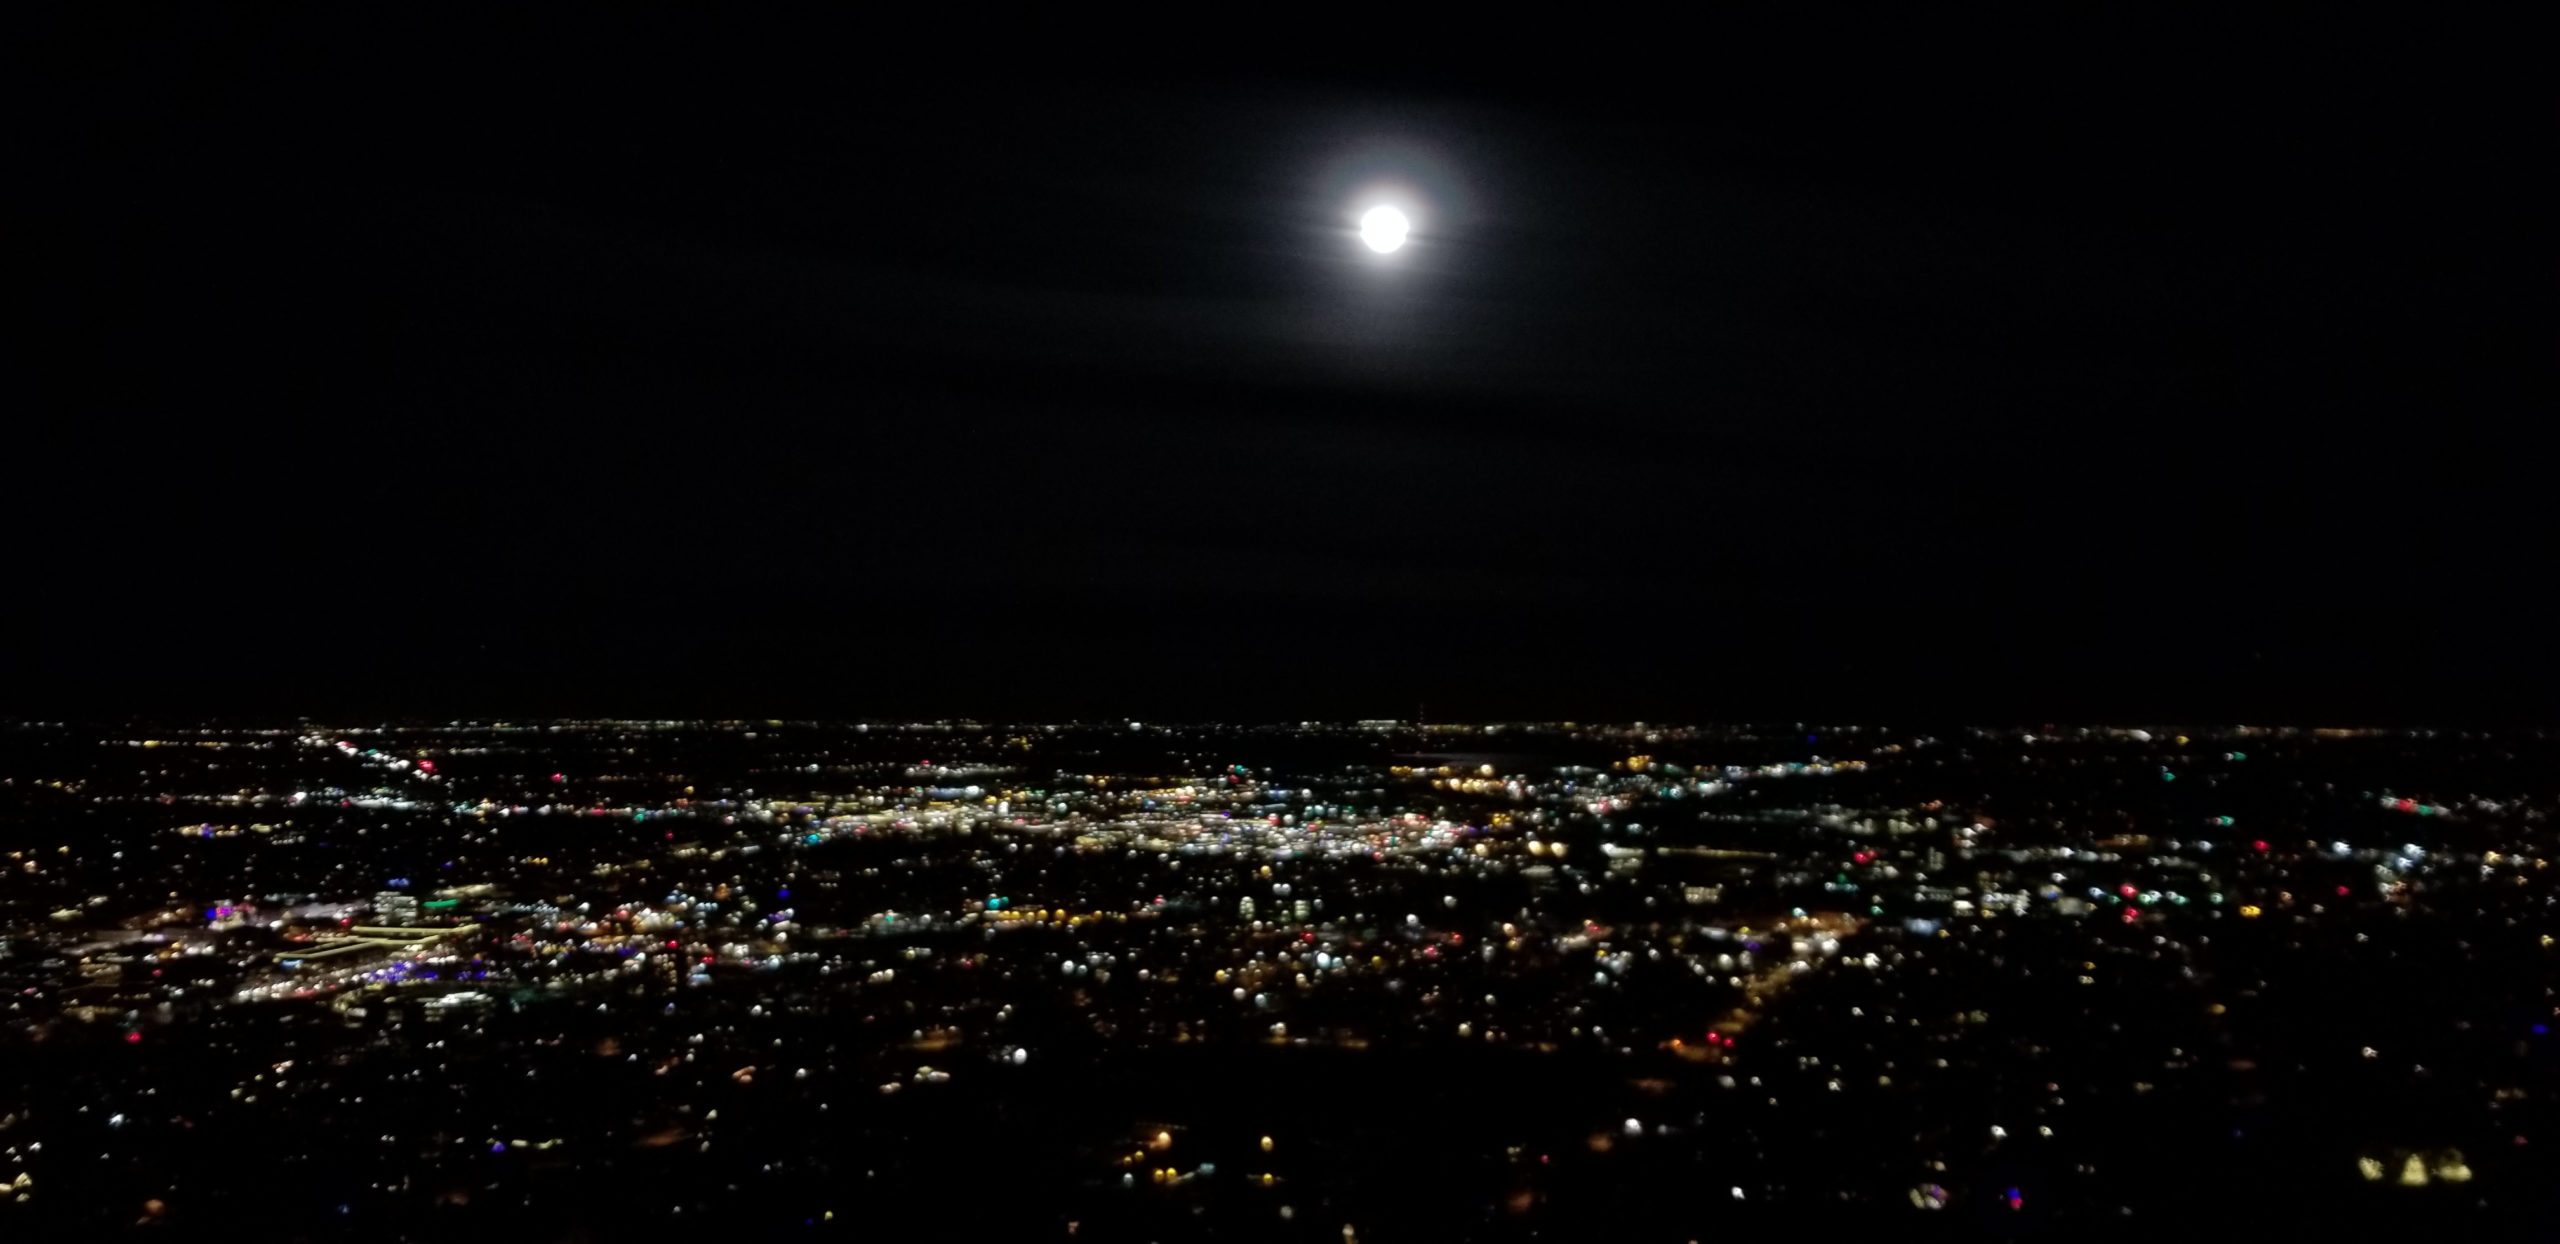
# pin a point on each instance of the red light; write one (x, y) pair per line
(2125, 890)
(2260, 844)
(1862, 857)
(2342, 891)
(133, 1038)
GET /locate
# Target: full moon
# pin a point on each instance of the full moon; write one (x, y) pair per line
(1383, 228)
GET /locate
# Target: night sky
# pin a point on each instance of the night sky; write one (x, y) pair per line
(579, 363)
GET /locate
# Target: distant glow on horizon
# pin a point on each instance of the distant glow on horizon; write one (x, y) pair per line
(1384, 228)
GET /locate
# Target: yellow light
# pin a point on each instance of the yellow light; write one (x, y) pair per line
(1266, 1144)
